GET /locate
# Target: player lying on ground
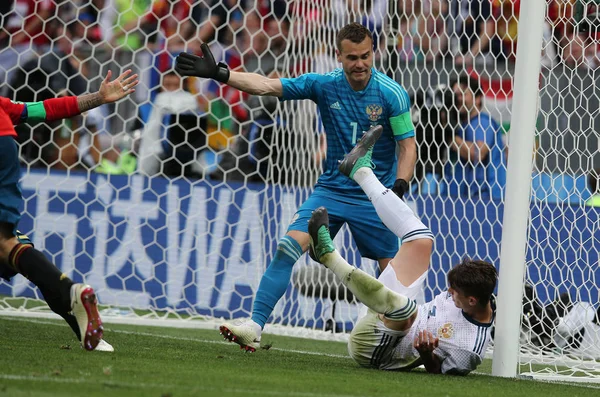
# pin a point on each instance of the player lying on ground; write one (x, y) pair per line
(447, 335)
(351, 99)
(74, 302)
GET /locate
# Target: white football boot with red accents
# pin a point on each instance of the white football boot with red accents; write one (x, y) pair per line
(84, 307)
(245, 333)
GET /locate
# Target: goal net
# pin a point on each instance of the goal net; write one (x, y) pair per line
(171, 203)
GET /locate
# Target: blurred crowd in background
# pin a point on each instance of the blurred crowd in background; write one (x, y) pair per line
(201, 129)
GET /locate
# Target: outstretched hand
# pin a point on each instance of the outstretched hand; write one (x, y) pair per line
(425, 343)
(201, 66)
(112, 91)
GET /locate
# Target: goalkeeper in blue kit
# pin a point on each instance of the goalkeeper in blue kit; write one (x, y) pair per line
(351, 99)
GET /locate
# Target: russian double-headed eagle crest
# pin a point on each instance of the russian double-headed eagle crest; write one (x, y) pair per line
(374, 111)
(446, 331)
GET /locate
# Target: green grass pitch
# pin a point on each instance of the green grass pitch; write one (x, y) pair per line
(42, 358)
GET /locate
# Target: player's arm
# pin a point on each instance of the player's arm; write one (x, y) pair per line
(470, 151)
(451, 360)
(461, 147)
(404, 133)
(66, 107)
(255, 84)
(425, 344)
(206, 67)
(407, 157)
(477, 151)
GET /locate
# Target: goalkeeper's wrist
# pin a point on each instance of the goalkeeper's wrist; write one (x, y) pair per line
(402, 182)
(400, 187)
(222, 74)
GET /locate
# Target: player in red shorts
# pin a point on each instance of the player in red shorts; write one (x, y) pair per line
(76, 303)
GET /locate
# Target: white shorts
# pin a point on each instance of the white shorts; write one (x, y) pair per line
(371, 343)
(416, 291)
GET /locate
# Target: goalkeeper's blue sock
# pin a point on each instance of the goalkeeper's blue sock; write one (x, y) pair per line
(276, 279)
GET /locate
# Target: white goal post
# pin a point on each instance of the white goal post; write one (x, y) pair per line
(518, 192)
(171, 203)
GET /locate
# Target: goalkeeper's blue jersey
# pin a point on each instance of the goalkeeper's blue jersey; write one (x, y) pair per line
(346, 114)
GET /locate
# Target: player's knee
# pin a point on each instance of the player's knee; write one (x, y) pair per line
(415, 230)
(402, 325)
(422, 243)
(425, 244)
(300, 238)
(288, 251)
(6, 247)
(8, 240)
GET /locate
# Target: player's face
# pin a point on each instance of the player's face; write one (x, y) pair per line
(357, 61)
(171, 83)
(461, 300)
(465, 99)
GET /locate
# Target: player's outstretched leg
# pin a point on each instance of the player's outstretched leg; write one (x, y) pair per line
(392, 210)
(360, 156)
(412, 260)
(367, 289)
(75, 304)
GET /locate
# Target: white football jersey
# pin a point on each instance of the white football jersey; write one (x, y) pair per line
(463, 341)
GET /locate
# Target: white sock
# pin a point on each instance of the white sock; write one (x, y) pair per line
(368, 182)
(369, 290)
(392, 210)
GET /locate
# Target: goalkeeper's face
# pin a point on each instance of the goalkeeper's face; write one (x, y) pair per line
(357, 61)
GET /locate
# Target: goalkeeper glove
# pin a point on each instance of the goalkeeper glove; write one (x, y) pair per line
(400, 187)
(204, 66)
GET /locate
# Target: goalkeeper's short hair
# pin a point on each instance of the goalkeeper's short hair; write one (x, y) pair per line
(355, 32)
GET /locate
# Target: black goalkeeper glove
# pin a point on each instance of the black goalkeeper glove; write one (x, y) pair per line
(204, 66)
(400, 187)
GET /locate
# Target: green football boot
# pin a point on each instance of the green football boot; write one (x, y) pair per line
(320, 239)
(360, 155)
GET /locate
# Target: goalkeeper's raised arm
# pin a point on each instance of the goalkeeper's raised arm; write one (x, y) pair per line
(205, 66)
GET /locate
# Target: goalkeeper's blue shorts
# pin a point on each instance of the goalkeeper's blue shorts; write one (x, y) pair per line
(10, 192)
(373, 239)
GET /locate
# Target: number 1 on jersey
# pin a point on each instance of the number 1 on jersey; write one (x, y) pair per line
(354, 125)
